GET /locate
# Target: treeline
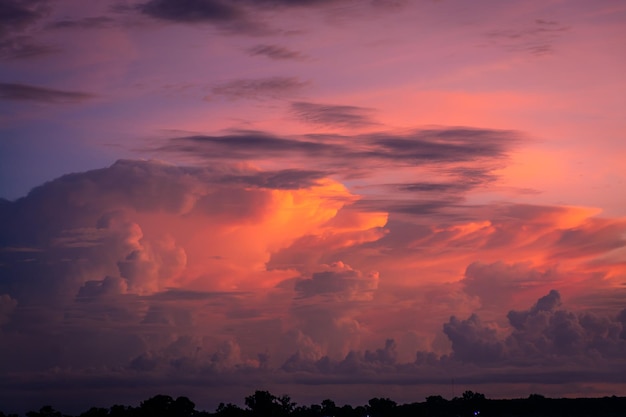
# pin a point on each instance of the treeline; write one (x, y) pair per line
(264, 404)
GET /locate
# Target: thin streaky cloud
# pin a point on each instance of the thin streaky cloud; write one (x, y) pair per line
(537, 39)
(275, 52)
(260, 88)
(191, 10)
(94, 22)
(25, 92)
(332, 115)
(24, 47)
(420, 147)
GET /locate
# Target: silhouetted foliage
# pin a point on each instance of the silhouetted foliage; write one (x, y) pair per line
(45, 411)
(265, 404)
(229, 410)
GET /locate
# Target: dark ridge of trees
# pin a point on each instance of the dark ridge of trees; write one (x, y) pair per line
(264, 404)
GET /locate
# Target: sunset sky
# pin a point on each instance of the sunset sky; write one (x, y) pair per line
(321, 198)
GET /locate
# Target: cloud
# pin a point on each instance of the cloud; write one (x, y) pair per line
(24, 47)
(543, 334)
(19, 16)
(191, 10)
(457, 159)
(227, 16)
(184, 275)
(17, 13)
(275, 52)
(7, 305)
(537, 39)
(427, 146)
(332, 115)
(260, 88)
(498, 284)
(472, 341)
(339, 282)
(93, 22)
(284, 179)
(24, 92)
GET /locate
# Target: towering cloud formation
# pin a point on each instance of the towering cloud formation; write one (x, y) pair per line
(349, 196)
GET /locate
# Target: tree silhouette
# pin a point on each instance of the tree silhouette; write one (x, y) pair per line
(229, 410)
(45, 411)
(329, 409)
(264, 404)
(381, 407)
(166, 406)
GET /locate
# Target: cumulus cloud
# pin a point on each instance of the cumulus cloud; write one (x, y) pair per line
(144, 270)
(541, 334)
(165, 250)
(472, 341)
(340, 282)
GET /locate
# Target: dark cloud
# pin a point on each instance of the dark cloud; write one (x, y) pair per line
(246, 145)
(450, 144)
(192, 10)
(17, 13)
(472, 341)
(275, 52)
(24, 47)
(84, 23)
(175, 294)
(24, 92)
(99, 288)
(419, 147)
(19, 16)
(340, 283)
(332, 115)
(537, 39)
(434, 187)
(216, 11)
(460, 158)
(544, 334)
(225, 15)
(260, 88)
(285, 179)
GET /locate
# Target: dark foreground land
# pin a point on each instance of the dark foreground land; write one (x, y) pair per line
(264, 404)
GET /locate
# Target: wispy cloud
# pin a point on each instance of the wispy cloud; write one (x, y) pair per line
(275, 52)
(537, 39)
(260, 88)
(24, 47)
(417, 147)
(333, 115)
(94, 22)
(25, 92)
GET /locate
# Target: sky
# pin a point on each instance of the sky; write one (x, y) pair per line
(320, 198)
